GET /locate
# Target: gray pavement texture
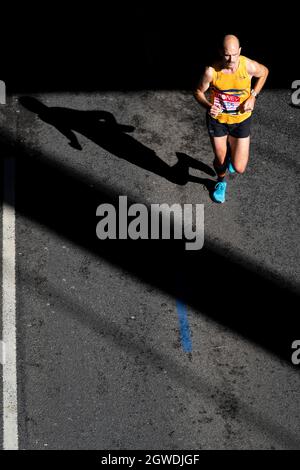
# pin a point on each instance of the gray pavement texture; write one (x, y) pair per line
(100, 362)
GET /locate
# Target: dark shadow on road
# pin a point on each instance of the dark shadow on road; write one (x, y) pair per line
(247, 299)
(158, 359)
(133, 46)
(102, 128)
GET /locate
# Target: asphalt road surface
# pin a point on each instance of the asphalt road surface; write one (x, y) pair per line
(142, 344)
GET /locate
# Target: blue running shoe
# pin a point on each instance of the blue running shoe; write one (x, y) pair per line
(218, 194)
(230, 167)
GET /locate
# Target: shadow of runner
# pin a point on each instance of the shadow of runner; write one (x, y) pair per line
(102, 128)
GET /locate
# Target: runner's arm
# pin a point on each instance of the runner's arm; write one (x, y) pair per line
(202, 87)
(258, 71)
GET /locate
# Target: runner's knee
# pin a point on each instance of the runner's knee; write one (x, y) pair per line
(239, 168)
(240, 171)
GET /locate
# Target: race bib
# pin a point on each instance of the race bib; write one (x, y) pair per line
(228, 103)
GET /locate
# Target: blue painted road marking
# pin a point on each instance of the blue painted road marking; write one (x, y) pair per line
(184, 327)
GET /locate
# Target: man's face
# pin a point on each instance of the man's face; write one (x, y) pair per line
(231, 54)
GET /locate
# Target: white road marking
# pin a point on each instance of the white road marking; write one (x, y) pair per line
(10, 404)
(2, 352)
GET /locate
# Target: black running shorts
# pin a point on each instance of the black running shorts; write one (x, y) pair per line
(239, 130)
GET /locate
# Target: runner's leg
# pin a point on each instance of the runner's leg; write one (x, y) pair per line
(239, 152)
(219, 145)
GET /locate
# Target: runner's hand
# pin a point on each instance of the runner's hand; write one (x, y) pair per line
(215, 110)
(248, 105)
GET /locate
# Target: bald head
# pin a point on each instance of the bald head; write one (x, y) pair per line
(231, 51)
(231, 41)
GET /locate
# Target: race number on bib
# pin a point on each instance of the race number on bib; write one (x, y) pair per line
(228, 103)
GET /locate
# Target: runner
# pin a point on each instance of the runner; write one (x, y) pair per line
(229, 109)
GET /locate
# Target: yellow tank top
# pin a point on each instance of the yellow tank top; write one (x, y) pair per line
(230, 90)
